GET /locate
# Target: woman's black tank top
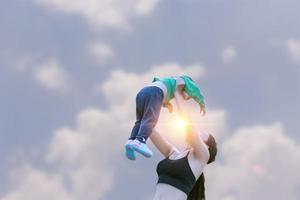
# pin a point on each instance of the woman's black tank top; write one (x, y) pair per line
(177, 173)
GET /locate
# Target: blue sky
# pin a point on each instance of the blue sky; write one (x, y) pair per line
(69, 71)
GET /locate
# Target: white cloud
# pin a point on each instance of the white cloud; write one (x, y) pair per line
(229, 54)
(112, 13)
(83, 152)
(101, 51)
(150, 197)
(215, 122)
(259, 162)
(46, 72)
(52, 76)
(145, 7)
(293, 48)
(34, 184)
(16, 62)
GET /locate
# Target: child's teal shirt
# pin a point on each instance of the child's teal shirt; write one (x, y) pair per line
(190, 88)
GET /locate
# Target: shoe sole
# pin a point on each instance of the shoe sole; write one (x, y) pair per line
(147, 155)
(129, 152)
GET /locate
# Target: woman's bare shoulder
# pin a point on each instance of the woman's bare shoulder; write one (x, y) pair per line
(174, 152)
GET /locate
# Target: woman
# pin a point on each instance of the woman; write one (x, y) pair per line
(180, 174)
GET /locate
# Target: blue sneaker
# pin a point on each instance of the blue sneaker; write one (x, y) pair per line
(129, 152)
(141, 148)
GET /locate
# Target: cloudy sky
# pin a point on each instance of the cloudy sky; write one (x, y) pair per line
(70, 70)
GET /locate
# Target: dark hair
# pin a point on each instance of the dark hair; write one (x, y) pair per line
(198, 191)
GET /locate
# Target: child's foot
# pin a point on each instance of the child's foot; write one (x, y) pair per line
(141, 148)
(129, 152)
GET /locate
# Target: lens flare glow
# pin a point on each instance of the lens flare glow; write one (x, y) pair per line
(180, 124)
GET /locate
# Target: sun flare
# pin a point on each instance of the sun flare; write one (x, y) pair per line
(180, 124)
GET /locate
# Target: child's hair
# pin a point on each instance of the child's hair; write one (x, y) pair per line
(198, 191)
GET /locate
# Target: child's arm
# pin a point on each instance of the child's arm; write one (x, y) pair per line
(194, 92)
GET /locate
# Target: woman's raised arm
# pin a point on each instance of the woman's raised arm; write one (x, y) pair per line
(193, 137)
(161, 143)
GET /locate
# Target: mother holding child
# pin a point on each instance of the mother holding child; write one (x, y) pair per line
(180, 173)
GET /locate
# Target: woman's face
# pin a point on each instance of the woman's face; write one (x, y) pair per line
(204, 136)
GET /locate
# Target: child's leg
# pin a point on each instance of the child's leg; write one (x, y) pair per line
(149, 102)
(135, 130)
(129, 152)
(139, 115)
(152, 103)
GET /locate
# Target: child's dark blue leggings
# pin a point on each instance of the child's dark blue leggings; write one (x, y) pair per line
(148, 105)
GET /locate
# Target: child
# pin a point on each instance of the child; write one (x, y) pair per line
(149, 101)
